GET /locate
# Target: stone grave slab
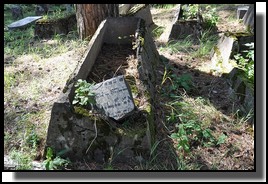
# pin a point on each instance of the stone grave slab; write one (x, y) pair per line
(183, 28)
(241, 11)
(114, 97)
(221, 54)
(124, 8)
(72, 131)
(248, 18)
(177, 14)
(23, 22)
(137, 10)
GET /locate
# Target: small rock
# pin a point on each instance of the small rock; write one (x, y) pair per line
(139, 159)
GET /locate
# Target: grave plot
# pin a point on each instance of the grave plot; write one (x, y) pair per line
(222, 61)
(186, 23)
(121, 62)
(183, 28)
(46, 28)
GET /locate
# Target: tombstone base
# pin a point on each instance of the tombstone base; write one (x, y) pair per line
(111, 53)
(48, 28)
(242, 92)
(182, 29)
(73, 134)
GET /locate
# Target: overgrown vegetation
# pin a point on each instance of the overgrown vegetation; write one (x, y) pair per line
(207, 15)
(54, 162)
(184, 81)
(173, 46)
(23, 41)
(190, 11)
(202, 136)
(188, 45)
(206, 42)
(157, 32)
(31, 83)
(246, 63)
(165, 6)
(191, 130)
(57, 14)
(83, 93)
(210, 17)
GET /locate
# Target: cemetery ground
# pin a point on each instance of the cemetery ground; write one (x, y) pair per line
(198, 126)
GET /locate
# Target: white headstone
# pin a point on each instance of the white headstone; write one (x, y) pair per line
(114, 97)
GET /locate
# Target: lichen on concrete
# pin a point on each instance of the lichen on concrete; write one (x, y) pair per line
(95, 137)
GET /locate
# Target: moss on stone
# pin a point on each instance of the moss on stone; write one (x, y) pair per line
(237, 34)
(84, 112)
(132, 83)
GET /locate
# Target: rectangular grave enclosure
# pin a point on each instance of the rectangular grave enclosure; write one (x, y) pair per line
(111, 46)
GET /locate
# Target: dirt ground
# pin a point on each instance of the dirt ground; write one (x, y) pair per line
(216, 89)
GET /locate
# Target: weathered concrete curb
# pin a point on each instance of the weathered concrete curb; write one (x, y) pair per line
(71, 130)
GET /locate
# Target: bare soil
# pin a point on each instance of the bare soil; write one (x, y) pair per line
(238, 151)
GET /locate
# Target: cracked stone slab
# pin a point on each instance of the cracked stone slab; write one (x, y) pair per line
(114, 97)
(23, 22)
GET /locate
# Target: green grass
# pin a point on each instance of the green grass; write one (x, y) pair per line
(206, 43)
(25, 116)
(28, 136)
(192, 119)
(9, 80)
(155, 161)
(157, 32)
(188, 45)
(23, 160)
(164, 6)
(22, 42)
(173, 46)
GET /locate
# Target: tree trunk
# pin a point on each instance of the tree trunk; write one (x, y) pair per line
(89, 16)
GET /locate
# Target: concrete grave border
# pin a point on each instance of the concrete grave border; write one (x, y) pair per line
(71, 136)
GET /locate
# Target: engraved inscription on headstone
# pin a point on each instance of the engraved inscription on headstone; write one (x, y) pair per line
(114, 97)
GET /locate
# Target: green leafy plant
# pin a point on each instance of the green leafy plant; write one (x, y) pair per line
(23, 160)
(52, 163)
(33, 139)
(190, 12)
(246, 63)
(192, 131)
(184, 81)
(83, 93)
(158, 31)
(164, 6)
(211, 18)
(207, 41)
(221, 139)
(138, 42)
(57, 14)
(174, 46)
